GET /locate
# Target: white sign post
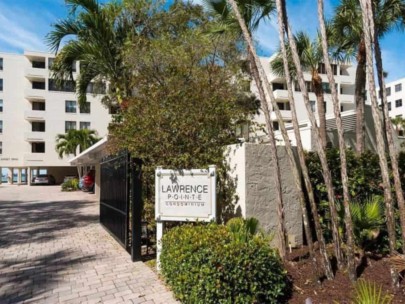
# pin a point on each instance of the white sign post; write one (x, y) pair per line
(183, 195)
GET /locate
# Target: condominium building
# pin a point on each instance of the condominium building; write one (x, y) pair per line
(345, 81)
(33, 111)
(396, 99)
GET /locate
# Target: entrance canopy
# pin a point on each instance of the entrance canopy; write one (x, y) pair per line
(92, 155)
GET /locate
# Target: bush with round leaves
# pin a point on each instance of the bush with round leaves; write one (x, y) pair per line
(205, 263)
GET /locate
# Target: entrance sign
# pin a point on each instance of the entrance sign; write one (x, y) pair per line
(185, 195)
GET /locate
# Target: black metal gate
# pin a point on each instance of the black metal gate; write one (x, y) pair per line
(121, 201)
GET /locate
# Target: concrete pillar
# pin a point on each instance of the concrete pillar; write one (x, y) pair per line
(10, 175)
(1, 175)
(97, 180)
(19, 176)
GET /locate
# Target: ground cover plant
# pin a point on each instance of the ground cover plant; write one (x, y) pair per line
(211, 263)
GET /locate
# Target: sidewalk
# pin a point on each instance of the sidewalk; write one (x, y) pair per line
(53, 250)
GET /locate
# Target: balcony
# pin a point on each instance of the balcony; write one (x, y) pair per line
(34, 157)
(34, 115)
(281, 94)
(34, 136)
(36, 74)
(346, 98)
(285, 114)
(34, 94)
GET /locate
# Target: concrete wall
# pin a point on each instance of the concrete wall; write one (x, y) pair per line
(253, 171)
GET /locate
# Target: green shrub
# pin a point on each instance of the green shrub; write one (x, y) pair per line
(207, 264)
(71, 185)
(369, 293)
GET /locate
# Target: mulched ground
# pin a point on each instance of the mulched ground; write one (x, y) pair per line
(340, 290)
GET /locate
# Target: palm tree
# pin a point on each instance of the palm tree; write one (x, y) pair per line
(252, 14)
(397, 122)
(96, 34)
(342, 146)
(369, 32)
(349, 37)
(67, 144)
(310, 54)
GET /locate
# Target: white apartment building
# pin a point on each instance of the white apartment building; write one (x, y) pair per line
(33, 110)
(396, 100)
(345, 81)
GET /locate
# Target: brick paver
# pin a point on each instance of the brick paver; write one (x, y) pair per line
(53, 250)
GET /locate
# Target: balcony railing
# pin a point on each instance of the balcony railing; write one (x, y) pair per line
(34, 136)
(34, 115)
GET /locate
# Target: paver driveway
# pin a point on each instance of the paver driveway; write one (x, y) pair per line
(53, 250)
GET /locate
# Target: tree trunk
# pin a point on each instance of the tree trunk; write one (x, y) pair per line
(367, 23)
(390, 136)
(326, 266)
(321, 152)
(274, 158)
(342, 146)
(320, 104)
(359, 96)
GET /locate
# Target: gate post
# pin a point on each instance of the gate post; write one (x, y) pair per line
(137, 207)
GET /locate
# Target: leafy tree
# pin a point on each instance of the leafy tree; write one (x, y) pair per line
(67, 144)
(189, 99)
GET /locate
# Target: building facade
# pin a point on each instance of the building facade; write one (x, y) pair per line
(396, 103)
(33, 111)
(345, 80)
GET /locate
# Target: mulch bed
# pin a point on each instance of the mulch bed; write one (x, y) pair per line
(340, 290)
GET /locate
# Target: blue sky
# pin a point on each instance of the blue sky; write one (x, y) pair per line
(25, 23)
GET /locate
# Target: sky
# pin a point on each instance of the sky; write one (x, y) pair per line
(25, 23)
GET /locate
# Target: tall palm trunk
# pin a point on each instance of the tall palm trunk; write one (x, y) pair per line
(326, 266)
(274, 158)
(342, 146)
(390, 136)
(321, 152)
(367, 23)
(320, 103)
(359, 96)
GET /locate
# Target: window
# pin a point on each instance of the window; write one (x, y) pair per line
(38, 64)
(38, 106)
(1, 126)
(277, 86)
(398, 103)
(389, 106)
(1, 147)
(74, 66)
(38, 85)
(84, 125)
(1, 64)
(312, 104)
(70, 125)
(324, 106)
(276, 126)
(398, 87)
(85, 108)
(1, 84)
(38, 126)
(65, 86)
(38, 147)
(388, 91)
(50, 62)
(1, 105)
(321, 68)
(70, 106)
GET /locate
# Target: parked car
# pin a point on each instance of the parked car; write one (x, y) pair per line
(88, 181)
(43, 179)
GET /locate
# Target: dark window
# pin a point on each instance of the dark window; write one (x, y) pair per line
(398, 103)
(38, 126)
(65, 86)
(70, 106)
(388, 91)
(277, 86)
(1, 126)
(70, 125)
(389, 106)
(1, 84)
(1, 147)
(38, 85)
(342, 109)
(38, 147)
(398, 87)
(74, 66)
(276, 125)
(321, 68)
(85, 108)
(1, 64)
(1, 105)
(38, 106)
(38, 64)
(324, 106)
(84, 125)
